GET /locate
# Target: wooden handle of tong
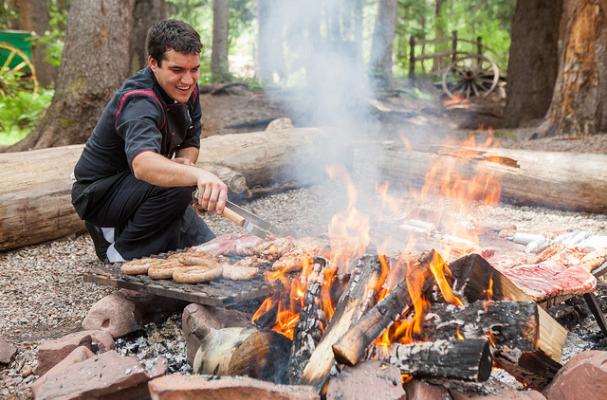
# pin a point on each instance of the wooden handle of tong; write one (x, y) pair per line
(228, 213)
(233, 216)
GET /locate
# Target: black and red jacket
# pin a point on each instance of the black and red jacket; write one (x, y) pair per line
(139, 117)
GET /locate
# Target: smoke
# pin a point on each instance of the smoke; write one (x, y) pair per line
(314, 47)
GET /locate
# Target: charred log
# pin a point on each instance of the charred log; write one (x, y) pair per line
(509, 324)
(308, 330)
(243, 351)
(534, 368)
(352, 304)
(350, 349)
(468, 360)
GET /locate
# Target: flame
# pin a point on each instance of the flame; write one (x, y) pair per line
(491, 338)
(349, 230)
(489, 293)
(438, 267)
(458, 334)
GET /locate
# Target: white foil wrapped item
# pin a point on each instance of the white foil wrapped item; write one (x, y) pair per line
(594, 242)
(538, 245)
(526, 238)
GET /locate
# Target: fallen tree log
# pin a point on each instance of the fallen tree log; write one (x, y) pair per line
(571, 181)
(36, 185)
(468, 359)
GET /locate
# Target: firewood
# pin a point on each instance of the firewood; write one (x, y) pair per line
(308, 330)
(534, 368)
(468, 359)
(509, 324)
(243, 351)
(349, 308)
(350, 349)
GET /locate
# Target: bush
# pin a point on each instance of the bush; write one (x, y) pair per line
(19, 113)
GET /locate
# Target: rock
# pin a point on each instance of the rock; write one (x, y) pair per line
(197, 319)
(113, 314)
(227, 387)
(51, 352)
(105, 376)
(79, 354)
(368, 380)
(583, 377)
(420, 390)
(7, 351)
(502, 395)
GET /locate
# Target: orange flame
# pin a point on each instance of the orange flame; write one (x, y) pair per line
(438, 267)
(489, 292)
(458, 334)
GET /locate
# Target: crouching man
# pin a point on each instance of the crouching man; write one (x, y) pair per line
(136, 174)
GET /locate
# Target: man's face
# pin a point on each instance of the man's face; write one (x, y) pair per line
(177, 74)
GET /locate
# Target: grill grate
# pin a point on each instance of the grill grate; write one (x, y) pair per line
(220, 292)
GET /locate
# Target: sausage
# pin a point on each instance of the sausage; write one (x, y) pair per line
(197, 274)
(140, 266)
(164, 270)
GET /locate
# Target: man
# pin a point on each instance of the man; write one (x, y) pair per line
(136, 174)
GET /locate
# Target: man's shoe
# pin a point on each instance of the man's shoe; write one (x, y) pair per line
(101, 245)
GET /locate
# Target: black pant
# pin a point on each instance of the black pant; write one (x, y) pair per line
(147, 219)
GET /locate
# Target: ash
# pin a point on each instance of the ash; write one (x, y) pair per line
(162, 339)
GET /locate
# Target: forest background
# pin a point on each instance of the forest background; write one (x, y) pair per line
(377, 31)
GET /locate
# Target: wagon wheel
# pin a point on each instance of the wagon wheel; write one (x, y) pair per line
(470, 75)
(17, 62)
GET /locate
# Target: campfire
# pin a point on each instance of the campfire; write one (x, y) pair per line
(420, 287)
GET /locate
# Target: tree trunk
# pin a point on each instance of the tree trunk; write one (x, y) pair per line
(146, 13)
(579, 103)
(219, 53)
(440, 31)
(533, 61)
(33, 16)
(383, 38)
(95, 61)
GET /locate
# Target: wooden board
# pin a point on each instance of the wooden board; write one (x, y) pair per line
(221, 292)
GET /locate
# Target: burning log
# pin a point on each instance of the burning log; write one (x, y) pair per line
(352, 304)
(508, 324)
(350, 349)
(308, 330)
(243, 351)
(468, 359)
(536, 369)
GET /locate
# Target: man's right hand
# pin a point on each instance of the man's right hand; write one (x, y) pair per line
(213, 193)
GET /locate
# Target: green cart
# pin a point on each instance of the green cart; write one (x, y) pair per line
(16, 54)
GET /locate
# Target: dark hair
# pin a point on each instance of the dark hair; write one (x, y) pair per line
(172, 34)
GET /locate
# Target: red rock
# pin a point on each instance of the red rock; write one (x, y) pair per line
(7, 351)
(368, 380)
(79, 354)
(174, 387)
(583, 377)
(502, 395)
(197, 319)
(419, 390)
(51, 352)
(113, 314)
(105, 376)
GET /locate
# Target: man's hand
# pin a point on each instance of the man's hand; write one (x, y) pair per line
(213, 193)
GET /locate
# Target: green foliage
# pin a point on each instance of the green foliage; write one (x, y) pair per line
(20, 112)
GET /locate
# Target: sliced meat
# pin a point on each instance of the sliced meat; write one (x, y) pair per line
(230, 245)
(274, 249)
(235, 272)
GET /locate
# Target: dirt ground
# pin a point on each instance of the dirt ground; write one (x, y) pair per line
(42, 294)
